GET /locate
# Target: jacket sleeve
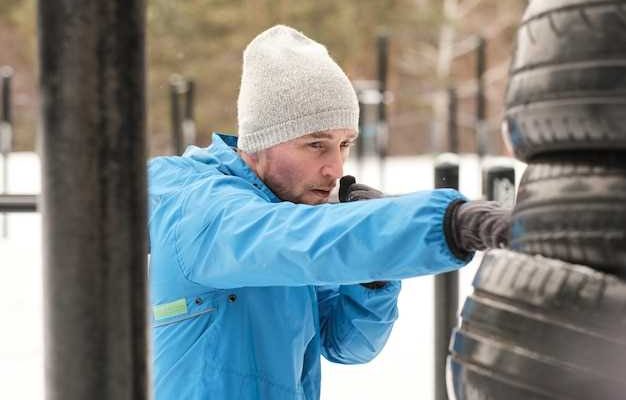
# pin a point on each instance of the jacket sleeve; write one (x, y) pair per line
(227, 238)
(355, 322)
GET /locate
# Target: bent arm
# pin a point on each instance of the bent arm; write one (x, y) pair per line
(355, 322)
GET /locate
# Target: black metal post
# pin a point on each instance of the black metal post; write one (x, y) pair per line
(92, 58)
(189, 124)
(446, 285)
(360, 140)
(6, 137)
(499, 184)
(176, 117)
(7, 76)
(453, 131)
(383, 60)
(447, 172)
(18, 203)
(189, 98)
(481, 103)
(382, 45)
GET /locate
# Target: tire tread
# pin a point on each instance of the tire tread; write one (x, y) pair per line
(566, 55)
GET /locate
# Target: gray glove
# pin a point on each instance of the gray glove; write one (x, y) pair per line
(349, 190)
(477, 225)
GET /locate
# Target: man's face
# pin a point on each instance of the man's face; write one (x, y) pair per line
(306, 169)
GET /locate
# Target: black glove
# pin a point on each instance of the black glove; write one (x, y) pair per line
(476, 225)
(349, 190)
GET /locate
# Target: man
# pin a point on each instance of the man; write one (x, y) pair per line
(253, 276)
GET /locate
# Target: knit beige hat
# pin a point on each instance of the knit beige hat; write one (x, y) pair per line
(291, 87)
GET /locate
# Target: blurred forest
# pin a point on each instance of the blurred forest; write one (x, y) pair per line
(204, 40)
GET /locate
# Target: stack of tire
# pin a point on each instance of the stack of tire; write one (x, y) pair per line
(547, 318)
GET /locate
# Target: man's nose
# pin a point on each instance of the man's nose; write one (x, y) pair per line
(333, 167)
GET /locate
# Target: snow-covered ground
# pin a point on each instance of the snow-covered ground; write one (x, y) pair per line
(402, 371)
(21, 329)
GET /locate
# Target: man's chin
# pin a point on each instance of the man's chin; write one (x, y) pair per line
(319, 202)
(313, 199)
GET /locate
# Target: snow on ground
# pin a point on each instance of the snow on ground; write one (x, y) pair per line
(402, 371)
(21, 329)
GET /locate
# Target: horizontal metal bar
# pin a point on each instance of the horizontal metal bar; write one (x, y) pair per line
(18, 203)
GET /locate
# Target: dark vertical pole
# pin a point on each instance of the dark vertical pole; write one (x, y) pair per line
(446, 288)
(499, 184)
(383, 59)
(360, 140)
(189, 125)
(6, 137)
(382, 44)
(7, 76)
(189, 99)
(94, 198)
(176, 117)
(453, 131)
(481, 103)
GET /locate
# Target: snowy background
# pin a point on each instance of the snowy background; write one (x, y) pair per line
(404, 369)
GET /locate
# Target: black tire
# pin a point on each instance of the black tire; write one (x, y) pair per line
(512, 373)
(472, 382)
(537, 328)
(567, 84)
(574, 211)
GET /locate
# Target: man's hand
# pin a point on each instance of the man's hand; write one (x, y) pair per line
(349, 190)
(478, 225)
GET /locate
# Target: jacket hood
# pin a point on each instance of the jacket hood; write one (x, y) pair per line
(172, 173)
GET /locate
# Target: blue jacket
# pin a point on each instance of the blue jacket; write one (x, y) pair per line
(247, 291)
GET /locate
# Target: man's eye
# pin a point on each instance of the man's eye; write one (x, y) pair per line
(316, 145)
(347, 144)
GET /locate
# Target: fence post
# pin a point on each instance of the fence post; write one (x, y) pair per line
(382, 45)
(446, 284)
(482, 130)
(92, 58)
(189, 124)
(360, 140)
(499, 182)
(175, 114)
(6, 137)
(453, 130)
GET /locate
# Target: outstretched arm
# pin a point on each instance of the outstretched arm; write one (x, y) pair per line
(227, 235)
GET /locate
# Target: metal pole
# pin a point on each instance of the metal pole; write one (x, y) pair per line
(189, 124)
(481, 103)
(189, 98)
(176, 117)
(92, 58)
(446, 285)
(382, 44)
(6, 137)
(18, 203)
(453, 131)
(499, 184)
(360, 140)
(7, 75)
